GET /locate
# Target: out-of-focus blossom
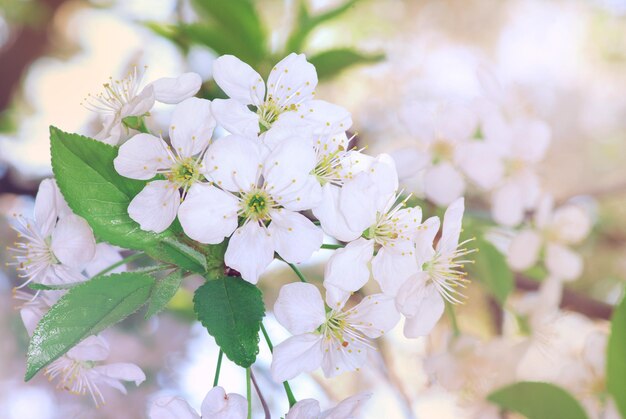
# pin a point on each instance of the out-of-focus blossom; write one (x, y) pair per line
(346, 409)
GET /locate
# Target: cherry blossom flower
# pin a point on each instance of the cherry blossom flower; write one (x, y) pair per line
(252, 109)
(346, 409)
(81, 370)
(216, 405)
(144, 156)
(265, 193)
(123, 98)
(422, 296)
(554, 231)
(385, 229)
(56, 246)
(337, 340)
(443, 131)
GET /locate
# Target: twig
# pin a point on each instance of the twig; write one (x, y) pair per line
(266, 408)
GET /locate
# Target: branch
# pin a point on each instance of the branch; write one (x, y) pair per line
(571, 300)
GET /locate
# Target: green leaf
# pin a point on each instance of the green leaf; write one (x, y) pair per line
(85, 310)
(232, 309)
(163, 291)
(234, 23)
(215, 259)
(84, 171)
(537, 400)
(329, 63)
(491, 269)
(616, 358)
(306, 23)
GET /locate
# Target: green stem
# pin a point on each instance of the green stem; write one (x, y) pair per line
(120, 263)
(249, 393)
(290, 396)
(142, 126)
(332, 246)
(456, 332)
(218, 368)
(298, 272)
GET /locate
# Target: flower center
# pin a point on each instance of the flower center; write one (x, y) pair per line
(256, 205)
(269, 111)
(447, 274)
(184, 173)
(442, 150)
(328, 168)
(115, 95)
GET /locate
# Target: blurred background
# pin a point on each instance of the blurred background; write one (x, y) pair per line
(564, 59)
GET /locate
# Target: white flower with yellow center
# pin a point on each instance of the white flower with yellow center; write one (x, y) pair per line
(144, 156)
(422, 296)
(57, 245)
(256, 200)
(252, 109)
(123, 98)
(336, 340)
(81, 370)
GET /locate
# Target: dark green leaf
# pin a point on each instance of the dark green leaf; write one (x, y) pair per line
(538, 401)
(616, 358)
(232, 309)
(330, 63)
(85, 310)
(491, 269)
(163, 291)
(93, 189)
(306, 23)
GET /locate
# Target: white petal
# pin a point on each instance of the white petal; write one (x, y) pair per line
(62, 274)
(316, 118)
(347, 408)
(348, 270)
(451, 230)
(140, 104)
(507, 206)
(155, 207)
(524, 250)
(238, 80)
(232, 162)
(375, 315)
(563, 262)
(141, 157)
(292, 80)
(174, 90)
(358, 202)
(409, 161)
(30, 317)
(392, 266)
(571, 223)
(295, 237)
(123, 371)
(443, 184)
(532, 139)
(208, 214)
(307, 196)
(331, 219)
(304, 409)
(481, 163)
(93, 348)
(105, 256)
(49, 204)
(219, 405)
(236, 118)
(383, 173)
(249, 251)
(299, 308)
(424, 239)
(73, 243)
(343, 355)
(429, 306)
(288, 167)
(191, 126)
(456, 121)
(296, 355)
(111, 131)
(168, 407)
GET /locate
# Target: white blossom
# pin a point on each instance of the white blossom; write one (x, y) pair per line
(337, 340)
(216, 405)
(346, 409)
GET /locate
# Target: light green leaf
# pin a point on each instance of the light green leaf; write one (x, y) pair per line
(537, 400)
(616, 358)
(163, 291)
(93, 189)
(85, 310)
(232, 309)
(491, 269)
(329, 63)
